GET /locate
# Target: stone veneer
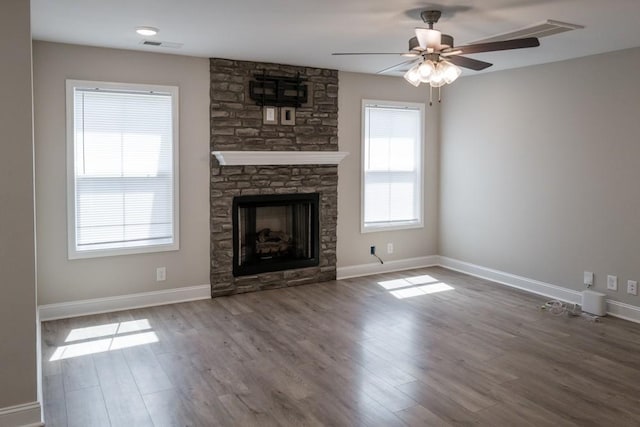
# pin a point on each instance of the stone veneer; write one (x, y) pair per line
(236, 125)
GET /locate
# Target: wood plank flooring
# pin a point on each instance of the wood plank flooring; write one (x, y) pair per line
(456, 350)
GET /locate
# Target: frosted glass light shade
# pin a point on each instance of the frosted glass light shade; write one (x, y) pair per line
(425, 69)
(437, 77)
(413, 76)
(449, 71)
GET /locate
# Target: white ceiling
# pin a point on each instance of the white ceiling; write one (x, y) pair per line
(306, 32)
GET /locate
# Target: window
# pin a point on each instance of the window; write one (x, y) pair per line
(392, 165)
(122, 168)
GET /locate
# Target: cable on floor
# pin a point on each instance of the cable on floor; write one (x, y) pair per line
(558, 308)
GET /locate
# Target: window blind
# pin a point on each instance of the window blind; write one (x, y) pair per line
(392, 150)
(123, 169)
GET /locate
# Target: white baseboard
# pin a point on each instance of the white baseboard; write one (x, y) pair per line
(65, 310)
(614, 308)
(387, 267)
(512, 280)
(623, 311)
(192, 293)
(25, 415)
(40, 390)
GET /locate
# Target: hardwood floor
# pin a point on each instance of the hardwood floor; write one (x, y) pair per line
(455, 350)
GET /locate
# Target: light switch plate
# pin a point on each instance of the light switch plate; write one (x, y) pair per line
(612, 283)
(269, 115)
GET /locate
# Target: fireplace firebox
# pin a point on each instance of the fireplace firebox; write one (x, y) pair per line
(275, 232)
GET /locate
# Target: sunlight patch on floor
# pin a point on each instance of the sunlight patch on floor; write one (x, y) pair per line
(109, 329)
(421, 290)
(408, 287)
(409, 281)
(107, 337)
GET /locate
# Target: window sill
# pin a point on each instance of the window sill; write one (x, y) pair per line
(101, 253)
(390, 227)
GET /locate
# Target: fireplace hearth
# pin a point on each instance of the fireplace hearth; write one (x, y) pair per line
(275, 232)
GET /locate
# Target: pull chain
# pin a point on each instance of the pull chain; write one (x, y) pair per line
(431, 95)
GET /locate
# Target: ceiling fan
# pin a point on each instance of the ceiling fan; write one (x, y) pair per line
(437, 59)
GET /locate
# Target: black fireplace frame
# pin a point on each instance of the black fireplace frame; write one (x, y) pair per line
(257, 201)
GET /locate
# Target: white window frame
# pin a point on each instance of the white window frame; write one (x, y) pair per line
(72, 252)
(389, 226)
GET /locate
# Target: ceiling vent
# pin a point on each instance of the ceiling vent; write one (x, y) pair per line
(161, 44)
(544, 29)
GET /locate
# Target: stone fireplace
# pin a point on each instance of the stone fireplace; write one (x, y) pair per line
(259, 173)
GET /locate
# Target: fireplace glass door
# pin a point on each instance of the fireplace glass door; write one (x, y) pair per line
(275, 232)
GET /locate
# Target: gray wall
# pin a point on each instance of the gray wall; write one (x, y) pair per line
(540, 171)
(540, 181)
(353, 247)
(18, 383)
(61, 280)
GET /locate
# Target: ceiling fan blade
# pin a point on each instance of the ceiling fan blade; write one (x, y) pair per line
(472, 64)
(493, 46)
(393, 67)
(366, 53)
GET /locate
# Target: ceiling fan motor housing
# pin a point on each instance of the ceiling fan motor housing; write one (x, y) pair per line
(446, 40)
(431, 17)
(413, 44)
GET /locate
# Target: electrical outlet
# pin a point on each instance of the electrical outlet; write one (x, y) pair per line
(588, 279)
(373, 250)
(161, 274)
(612, 283)
(389, 248)
(632, 287)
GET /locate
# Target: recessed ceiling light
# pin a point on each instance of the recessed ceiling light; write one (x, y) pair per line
(147, 31)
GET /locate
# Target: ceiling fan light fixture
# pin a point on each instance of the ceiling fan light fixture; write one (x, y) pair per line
(450, 72)
(437, 78)
(425, 70)
(428, 39)
(413, 76)
(433, 73)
